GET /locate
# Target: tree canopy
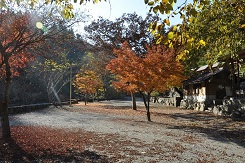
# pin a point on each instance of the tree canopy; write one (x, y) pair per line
(88, 83)
(156, 71)
(218, 26)
(187, 11)
(106, 35)
(23, 36)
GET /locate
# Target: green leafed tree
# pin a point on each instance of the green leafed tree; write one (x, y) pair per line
(218, 28)
(216, 35)
(186, 10)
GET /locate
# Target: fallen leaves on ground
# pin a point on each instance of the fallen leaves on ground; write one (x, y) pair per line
(176, 118)
(42, 144)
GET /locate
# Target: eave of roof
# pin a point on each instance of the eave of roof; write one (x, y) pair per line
(202, 77)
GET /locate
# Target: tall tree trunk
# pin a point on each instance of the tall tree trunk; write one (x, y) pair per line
(5, 104)
(85, 99)
(147, 105)
(148, 108)
(144, 100)
(148, 113)
(238, 74)
(133, 101)
(233, 78)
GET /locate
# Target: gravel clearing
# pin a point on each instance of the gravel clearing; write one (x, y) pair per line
(159, 141)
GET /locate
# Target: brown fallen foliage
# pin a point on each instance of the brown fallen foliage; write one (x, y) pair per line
(41, 144)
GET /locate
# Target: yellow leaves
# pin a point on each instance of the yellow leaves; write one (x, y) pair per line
(192, 44)
(154, 27)
(159, 40)
(88, 82)
(68, 14)
(151, 3)
(170, 35)
(190, 40)
(170, 45)
(155, 9)
(220, 53)
(96, 1)
(31, 2)
(172, 3)
(165, 1)
(242, 26)
(182, 55)
(166, 21)
(175, 28)
(182, 16)
(47, 1)
(202, 43)
(150, 26)
(162, 6)
(68, 11)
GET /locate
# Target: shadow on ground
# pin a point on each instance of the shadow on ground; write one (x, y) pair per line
(11, 152)
(219, 128)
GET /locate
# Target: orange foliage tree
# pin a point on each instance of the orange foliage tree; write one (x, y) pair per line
(23, 35)
(156, 71)
(17, 40)
(88, 83)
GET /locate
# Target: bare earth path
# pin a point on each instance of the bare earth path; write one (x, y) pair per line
(115, 133)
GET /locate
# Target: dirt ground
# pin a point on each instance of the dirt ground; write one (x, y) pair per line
(110, 131)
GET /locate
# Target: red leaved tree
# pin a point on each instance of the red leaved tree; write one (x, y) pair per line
(23, 35)
(18, 38)
(156, 71)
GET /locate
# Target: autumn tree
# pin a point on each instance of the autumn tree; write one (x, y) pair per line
(88, 83)
(107, 35)
(16, 36)
(209, 30)
(156, 71)
(186, 11)
(222, 37)
(205, 30)
(22, 37)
